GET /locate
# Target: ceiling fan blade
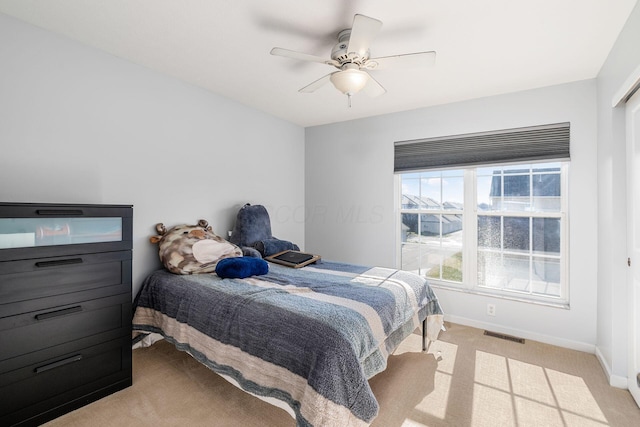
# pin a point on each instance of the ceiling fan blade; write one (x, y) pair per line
(373, 88)
(363, 31)
(409, 60)
(317, 84)
(278, 51)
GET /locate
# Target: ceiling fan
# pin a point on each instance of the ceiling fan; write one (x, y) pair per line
(351, 57)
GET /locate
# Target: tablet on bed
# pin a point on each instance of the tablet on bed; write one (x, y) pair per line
(293, 259)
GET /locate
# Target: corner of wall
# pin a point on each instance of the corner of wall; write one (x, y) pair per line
(614, 380)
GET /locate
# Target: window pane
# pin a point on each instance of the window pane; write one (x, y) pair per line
(448, 268)
(503, 271)
(490, 270)
(430, 225)
(483, 192)
(422, 258)
(546, 190)
(516, 186)
(516, 234)
(489, 189)
(516, 270)
(432, 245)
(546, 276)
(453, 192)
(517, 190)
(410, 256)
(431, 194)
(410, 227)
(410, 193)
(546, 235)
(546, 185)
(445, 252)
(489, 232)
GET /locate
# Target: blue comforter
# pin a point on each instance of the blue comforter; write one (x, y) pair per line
(308, 337)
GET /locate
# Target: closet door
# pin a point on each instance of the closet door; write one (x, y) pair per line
(633, 242)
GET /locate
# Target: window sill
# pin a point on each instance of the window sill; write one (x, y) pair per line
(562, 305)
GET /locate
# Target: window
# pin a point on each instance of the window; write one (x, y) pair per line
(432, 223)
(505, 237)
(494, 228)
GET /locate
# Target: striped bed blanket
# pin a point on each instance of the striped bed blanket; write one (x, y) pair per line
(305, 339)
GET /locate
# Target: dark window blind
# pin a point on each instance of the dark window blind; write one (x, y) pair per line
(546, 142)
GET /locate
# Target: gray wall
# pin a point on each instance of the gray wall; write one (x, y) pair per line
(351, 200)
(623, 59)
(81, 126)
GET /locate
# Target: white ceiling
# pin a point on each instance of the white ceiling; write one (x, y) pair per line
(484, 47)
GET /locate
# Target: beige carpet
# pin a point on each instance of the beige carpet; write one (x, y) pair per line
(465, 379)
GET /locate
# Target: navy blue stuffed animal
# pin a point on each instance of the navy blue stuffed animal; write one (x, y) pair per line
(252, 232)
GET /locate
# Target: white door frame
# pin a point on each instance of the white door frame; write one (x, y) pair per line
(632, 119)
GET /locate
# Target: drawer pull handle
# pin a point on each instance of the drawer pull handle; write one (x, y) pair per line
(60, 212)
(58, 262)
(57, 313)
(72, 359)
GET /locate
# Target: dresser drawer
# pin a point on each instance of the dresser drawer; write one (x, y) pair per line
(37, 279)
(30, 230)
(28, 332)
(75, 377)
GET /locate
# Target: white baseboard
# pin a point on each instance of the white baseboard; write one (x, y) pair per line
(614, 380)
(547, 339)
(618, 382)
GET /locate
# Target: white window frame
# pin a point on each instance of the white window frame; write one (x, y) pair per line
(470, 237)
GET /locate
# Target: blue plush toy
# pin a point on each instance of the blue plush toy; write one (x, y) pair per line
(252, 233)
(241, 267)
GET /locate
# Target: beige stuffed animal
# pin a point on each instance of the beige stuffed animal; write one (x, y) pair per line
(192, 249)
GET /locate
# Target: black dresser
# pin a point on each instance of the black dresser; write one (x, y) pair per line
(65, 307)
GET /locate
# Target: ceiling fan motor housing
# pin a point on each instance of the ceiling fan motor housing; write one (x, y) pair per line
(339, 52)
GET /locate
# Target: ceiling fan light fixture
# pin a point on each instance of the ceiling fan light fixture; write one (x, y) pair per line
(349, 81)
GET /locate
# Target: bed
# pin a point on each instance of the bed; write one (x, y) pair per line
(305, 339)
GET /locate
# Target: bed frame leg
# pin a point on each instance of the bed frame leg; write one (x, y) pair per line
(424, 335)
